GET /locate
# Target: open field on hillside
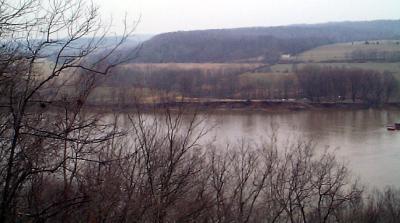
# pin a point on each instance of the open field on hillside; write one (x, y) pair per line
(191, 66)
(391, 67)
(349, 51)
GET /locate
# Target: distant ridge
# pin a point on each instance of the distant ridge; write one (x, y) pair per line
(259, 44)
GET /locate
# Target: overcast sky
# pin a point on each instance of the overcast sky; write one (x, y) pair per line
(159, 16)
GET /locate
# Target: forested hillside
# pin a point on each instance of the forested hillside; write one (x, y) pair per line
(259, 44)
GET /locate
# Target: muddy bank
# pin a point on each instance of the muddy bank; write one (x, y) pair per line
(261, 105)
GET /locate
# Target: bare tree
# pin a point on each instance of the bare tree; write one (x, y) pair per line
(45, 47)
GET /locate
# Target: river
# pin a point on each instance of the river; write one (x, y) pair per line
(358, 137)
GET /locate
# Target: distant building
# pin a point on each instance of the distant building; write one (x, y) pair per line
(286, 57)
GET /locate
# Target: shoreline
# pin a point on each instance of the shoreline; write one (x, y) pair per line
(244, 105)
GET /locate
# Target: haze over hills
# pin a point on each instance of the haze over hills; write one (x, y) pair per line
(259, 44)
(101, 43)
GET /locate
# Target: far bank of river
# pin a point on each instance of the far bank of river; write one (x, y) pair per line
(244, 105)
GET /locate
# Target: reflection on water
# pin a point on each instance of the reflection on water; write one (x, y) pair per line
(372, 152)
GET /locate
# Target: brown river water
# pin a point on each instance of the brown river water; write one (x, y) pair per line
(357, 137)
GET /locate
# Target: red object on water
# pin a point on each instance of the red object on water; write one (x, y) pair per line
(391, 128)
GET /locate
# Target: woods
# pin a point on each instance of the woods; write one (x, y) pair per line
(338, 84)
(316, 84)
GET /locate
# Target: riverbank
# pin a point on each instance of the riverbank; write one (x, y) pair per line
(243, 105)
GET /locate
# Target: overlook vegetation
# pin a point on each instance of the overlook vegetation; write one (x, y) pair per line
(62, 161)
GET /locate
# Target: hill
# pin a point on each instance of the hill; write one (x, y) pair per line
(259, 44)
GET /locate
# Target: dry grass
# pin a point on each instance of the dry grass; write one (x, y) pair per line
(191, 66)
(341, 51)
(391, 67)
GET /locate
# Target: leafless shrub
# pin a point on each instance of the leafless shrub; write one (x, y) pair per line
(45, 133)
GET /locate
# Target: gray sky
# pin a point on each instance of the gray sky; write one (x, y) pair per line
(159, 16)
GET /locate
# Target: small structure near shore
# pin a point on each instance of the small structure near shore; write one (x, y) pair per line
(397, 126)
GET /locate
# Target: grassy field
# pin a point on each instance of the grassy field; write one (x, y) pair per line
(391, 67)
(191, 66)
(342, 51)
